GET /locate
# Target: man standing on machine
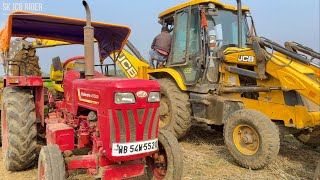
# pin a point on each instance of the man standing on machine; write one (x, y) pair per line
(160, 47)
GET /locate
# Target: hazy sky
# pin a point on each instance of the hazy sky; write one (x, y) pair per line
(279, 20)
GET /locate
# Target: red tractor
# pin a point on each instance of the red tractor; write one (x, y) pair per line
(106, 125)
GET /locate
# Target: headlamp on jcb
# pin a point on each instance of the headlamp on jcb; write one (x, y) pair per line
(154, 97)
(124, 98)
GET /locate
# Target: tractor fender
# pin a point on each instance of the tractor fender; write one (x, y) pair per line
(165, 72)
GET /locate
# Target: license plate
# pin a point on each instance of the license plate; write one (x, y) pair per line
(133, 148)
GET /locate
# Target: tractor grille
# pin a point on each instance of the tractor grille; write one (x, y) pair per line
(133, 125)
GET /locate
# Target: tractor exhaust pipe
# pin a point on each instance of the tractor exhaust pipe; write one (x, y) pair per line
(239, 10)
(88, 44)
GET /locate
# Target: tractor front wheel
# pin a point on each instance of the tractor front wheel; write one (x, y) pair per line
(19, 129)
(51, 164)
(252, 138)
(175, 112)
(167, 163)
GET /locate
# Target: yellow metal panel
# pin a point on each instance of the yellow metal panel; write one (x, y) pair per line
(227, 78)
(58, 87)
(173, 73)
(232, 55)
(55, 75)
(273, 96)
(194, 2)
(48, 43)
(292, 116)
(294, 77)
(131, 65)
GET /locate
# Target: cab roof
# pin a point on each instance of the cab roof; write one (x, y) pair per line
(194, 2)
(111, 38)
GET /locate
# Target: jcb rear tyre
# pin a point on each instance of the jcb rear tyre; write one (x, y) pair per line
(251, 138)
(175, 112)
(173, 162)
(51, 164)
(18, 129)
(310, 139)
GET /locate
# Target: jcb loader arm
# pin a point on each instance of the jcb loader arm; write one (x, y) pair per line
(303, 50)
(294, 76)
(291, 69)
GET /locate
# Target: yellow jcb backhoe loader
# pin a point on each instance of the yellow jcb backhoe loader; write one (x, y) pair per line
(219, 72)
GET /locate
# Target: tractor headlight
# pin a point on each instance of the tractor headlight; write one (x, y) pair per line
(124, 98)
(154, 97)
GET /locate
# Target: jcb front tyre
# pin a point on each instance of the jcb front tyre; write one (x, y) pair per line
(175, 112)
(51, 164)
(167, 163)
(18, 129)
(251, 138)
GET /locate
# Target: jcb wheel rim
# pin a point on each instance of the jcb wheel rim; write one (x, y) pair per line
(246, 139)
(164, 111)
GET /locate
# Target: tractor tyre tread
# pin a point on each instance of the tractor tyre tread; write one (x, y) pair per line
(180, 120)
(53, 162)
(21, 129)
(174, 156)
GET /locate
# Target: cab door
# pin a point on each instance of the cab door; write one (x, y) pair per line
(185, 52)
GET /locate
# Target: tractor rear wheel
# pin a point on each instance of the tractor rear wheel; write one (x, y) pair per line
(167, 163)
(19, 129)
(51, 164)
(175, 112)
(0, 127)
(311, 139)
(251, 138)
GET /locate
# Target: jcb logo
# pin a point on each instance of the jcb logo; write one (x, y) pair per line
(246, 58)
(127, 66)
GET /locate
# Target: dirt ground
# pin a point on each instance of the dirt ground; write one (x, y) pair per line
(206, 158)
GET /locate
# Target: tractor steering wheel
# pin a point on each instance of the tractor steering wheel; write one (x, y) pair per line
(71, 60)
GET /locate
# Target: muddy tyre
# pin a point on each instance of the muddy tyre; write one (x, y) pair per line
(0, 128)
(167, 163)
(18, 129)
(251, 138)
(51, 164)
(317, 173)
(175, 112)
(310, 139)
(22, 50)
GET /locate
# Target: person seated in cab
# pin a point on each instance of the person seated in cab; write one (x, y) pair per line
(160, 48)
